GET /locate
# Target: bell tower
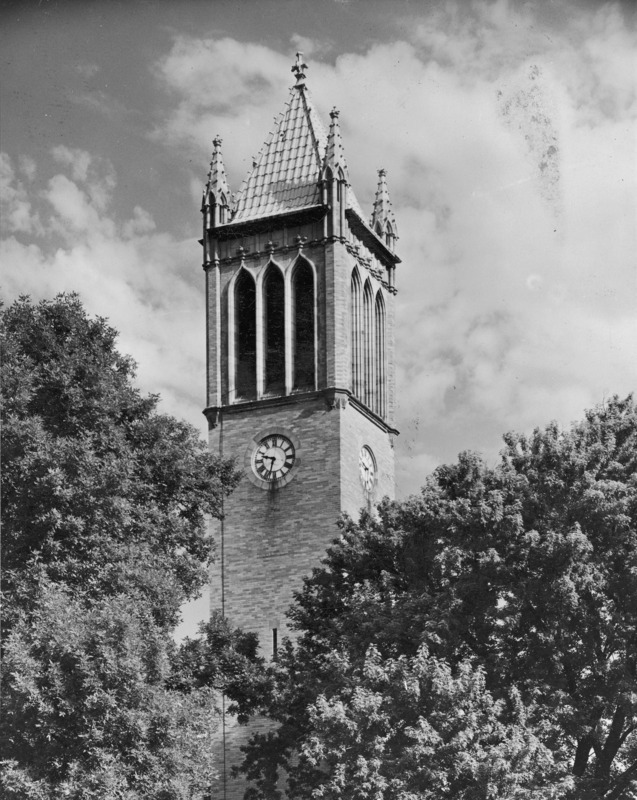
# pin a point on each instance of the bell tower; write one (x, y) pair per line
(300, 295)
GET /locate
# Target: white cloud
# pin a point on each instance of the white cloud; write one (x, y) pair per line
(15, 207)
(87, 70)
(510, 149)
(139, 278)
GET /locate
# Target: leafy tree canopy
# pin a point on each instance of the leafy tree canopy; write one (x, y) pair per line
(476, 641)
(104, 512)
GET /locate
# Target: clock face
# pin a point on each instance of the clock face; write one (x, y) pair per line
(273, 458)
(367, 468)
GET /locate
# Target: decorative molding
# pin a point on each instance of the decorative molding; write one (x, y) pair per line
(270, 248)
(336, 399)
(213, 415)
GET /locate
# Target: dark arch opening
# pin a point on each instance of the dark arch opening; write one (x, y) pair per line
(245, 309)
(356, 336)
(303, 333)
(274, 326)
(368, 346)
(381, 379)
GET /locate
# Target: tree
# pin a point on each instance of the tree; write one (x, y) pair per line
(476, 641)
(105, 507)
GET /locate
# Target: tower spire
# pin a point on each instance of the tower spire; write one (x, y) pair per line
(217, 192)
(383, 222)
(334, 153)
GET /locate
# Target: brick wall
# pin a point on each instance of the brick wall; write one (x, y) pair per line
(270, 538)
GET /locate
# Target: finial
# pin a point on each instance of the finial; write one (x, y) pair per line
(334, 113)
(298, 69)
(217, 141)
(383, 222)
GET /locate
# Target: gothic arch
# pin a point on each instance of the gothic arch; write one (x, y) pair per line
(356, 312)
(242, 344)
(368, 345)
(303, 324)
(380, 355)
(273, 327)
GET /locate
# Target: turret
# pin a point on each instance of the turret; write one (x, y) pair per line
(383, 222)
(334, 180)
(216, 201)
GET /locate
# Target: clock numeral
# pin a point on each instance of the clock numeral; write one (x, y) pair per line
(274, 457)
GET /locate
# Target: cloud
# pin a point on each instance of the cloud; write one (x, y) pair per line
(15, 207)
(87, 70)
(508, 135)
(139, 278)
(510, 155)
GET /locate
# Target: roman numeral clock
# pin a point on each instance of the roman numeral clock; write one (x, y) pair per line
(300, 288)
(272, 459)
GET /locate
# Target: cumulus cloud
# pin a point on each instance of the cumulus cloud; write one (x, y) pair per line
(15, 206)
(139, 278)
(508, 135)
(510, 155)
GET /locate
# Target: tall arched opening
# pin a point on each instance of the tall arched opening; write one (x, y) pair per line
(245, 316)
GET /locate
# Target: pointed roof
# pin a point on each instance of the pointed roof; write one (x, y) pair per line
(334, 153)
(383, 212)
(217, 182)
(285, 176)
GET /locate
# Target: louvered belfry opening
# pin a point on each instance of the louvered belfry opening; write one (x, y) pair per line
(368, 345)
(245, 337)
(274, 327)
(356, 327)
(303, 338)
(381, 369)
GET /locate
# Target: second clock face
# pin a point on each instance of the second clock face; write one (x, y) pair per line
(273, 458)
(367, 468)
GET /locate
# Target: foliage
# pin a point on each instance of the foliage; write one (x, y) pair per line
(86, 710)
(476, 641)
(225, 659)
(105, 506)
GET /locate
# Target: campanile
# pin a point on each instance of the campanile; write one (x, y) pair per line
(300, 288)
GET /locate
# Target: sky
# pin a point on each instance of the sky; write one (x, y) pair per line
(508, 131)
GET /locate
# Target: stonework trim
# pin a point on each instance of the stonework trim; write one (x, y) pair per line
(334, 397)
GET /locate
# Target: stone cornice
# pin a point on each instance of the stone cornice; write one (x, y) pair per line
(335, 398)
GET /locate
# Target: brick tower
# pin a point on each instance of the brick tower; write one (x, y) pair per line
(300, 352)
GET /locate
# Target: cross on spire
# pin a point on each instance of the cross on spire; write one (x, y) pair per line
(299, 70)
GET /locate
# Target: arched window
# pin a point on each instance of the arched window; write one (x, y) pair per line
(368, 346)
(381, 369)
(274, 331)
(303, 326)
(245, 337)
(355, 316)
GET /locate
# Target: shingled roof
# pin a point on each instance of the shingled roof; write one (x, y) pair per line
(285, 176)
